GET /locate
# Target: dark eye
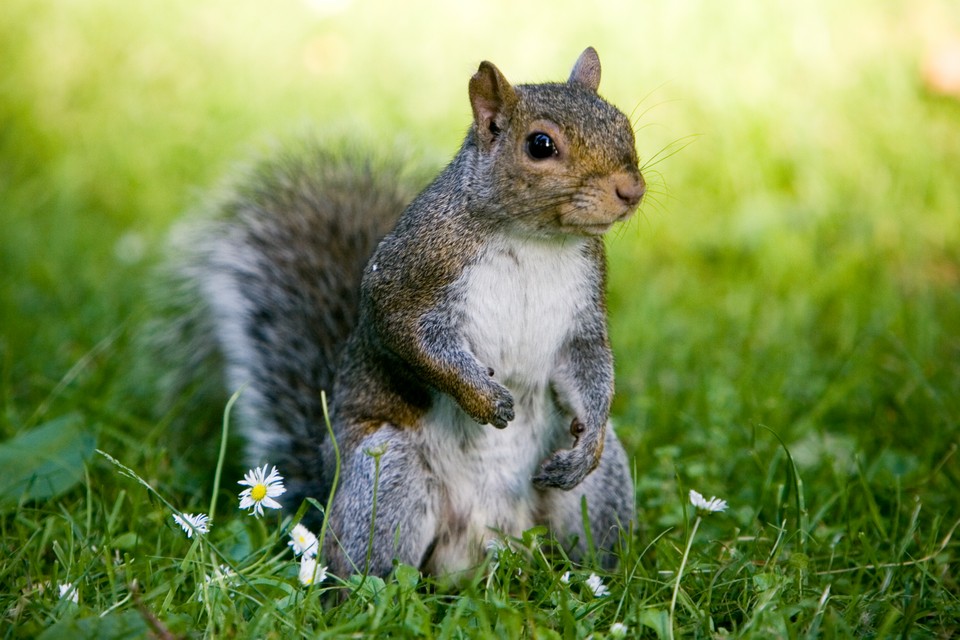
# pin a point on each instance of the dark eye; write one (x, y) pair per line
(540, 146)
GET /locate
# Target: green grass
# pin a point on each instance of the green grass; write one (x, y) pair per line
(785, 311)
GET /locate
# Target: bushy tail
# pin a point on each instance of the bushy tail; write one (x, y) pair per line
(275, 276)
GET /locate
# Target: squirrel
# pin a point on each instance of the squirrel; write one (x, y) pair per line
(462, 337)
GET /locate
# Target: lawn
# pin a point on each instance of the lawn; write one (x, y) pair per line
(784, 311)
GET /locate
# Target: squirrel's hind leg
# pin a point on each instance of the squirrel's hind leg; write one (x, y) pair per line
(611, 509)
(404, 515)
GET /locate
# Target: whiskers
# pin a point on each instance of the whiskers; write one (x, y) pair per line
(669, 150)
(524, 209)
(635, 119)
(657, 190)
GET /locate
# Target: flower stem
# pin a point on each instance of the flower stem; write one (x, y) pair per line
(683, 564)
(336, 474)
(223, 450)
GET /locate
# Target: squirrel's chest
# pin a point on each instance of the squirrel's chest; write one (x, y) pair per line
(521, 301)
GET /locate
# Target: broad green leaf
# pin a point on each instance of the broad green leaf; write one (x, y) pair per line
(121, 626)
(658, 620)
(44, 462)
(407, 577)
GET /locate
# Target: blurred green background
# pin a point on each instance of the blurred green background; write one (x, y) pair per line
(796, 265)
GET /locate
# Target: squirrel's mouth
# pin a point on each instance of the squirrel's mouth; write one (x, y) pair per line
(593, 226)
(588, 228)
(595, 229)
(599, 206)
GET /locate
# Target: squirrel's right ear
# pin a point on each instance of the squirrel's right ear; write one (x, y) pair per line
(586, 70)
(493, 100)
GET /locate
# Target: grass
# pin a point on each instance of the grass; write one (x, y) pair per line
(784, 311)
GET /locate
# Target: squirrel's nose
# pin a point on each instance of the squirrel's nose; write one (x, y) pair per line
(630, 188)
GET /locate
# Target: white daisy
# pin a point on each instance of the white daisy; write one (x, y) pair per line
(619, 630)
(565, 578)
(596, 585)
(263, 488)
(303, 541)
(310, 573)
(191, 523)
(69, 592)
(713, 505)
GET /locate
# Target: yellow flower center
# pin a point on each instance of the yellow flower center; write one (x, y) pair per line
(259, 492)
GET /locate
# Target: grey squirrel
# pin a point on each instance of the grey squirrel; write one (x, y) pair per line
(462, 338)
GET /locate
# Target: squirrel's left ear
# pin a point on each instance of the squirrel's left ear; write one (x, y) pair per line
(586, 71)
(493, 100)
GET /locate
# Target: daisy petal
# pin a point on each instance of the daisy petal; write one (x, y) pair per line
(262, 488)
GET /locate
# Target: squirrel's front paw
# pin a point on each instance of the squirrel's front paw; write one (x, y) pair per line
(499, 406)
(492, 405)
(567, 468)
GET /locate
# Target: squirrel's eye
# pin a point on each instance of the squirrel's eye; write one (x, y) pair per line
(540, 146)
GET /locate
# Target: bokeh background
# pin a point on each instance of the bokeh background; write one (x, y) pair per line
(796, 264)
(791, 283)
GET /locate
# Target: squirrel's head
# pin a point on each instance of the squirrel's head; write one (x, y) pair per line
(556, 157)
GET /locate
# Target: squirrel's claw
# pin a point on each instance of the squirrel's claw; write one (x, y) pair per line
(502, 418)
(565, 469)
(502, 410)
(493, 405)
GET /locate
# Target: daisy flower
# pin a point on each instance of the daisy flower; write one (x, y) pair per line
(69, 592)
(191, 523)
(619, 630)
(565, 578)
(704, 507)
(310, 573)
(596, 585)
(303, 541)
(261, 491)
(713, 505)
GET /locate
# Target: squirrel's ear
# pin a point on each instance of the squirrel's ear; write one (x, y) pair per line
(493, 100)
(586, 71)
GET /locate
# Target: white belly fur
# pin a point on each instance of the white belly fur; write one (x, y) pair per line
(520, 303)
